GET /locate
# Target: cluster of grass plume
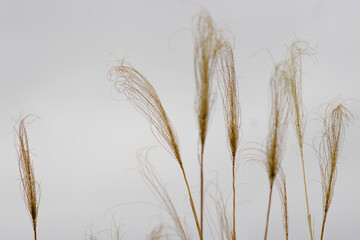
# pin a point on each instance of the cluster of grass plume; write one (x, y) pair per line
(29, 186)
(336, 118)
(214, 57)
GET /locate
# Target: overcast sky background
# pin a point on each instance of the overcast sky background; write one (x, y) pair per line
(54, 57)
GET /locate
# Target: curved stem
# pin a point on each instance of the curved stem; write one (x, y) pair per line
(192, 204)
(306, 194)
(233, 186)
(268, 213)
(35, 234)
(323, 226)
(201, 189)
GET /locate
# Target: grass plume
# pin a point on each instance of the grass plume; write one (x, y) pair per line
(336, 118)
(229, 93)
(208, 43)
(142, 95)
(293, 76)
(30, 187)
(277, 131)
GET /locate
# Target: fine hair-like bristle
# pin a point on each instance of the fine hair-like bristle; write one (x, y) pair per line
(152, 179)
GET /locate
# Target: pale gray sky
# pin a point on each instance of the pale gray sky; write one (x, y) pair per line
(54, 56)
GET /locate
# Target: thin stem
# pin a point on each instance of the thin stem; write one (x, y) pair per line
(306, 194)
(326, 207)
(35, 234)
(323, 225)
(268, 213)
(192, 204)
(233, 186)
(201, 189)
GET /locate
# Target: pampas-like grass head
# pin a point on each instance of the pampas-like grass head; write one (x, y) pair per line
(293, 75)
(208, 43)
(336, 118)
(277, 130)
(143, 96)
(277, 124)
(30, 187)
(229, 93)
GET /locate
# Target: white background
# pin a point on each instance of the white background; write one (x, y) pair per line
(54, 57)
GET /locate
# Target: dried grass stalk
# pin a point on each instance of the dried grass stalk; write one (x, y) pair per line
(277, 130)
(142, 95)
(336, 119)
(229, 93)
(281, 186)
(293, 76)
(30, 187)
(208, 43)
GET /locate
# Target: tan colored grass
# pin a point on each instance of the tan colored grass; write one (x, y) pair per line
(229, 93)
(277, 130)
(157, 233)
(293, 75)
(142, 95)
(337, 116)
(281, 186)
(222, 228)
(208, 43)
(30, 187)
(153, 181)
(114, 233)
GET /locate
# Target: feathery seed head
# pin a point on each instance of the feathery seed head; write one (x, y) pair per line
(229, 93)
(208, 42)
(293, 77)
(142, 95)
(278, 123)
(30, 187)
(336, 119)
